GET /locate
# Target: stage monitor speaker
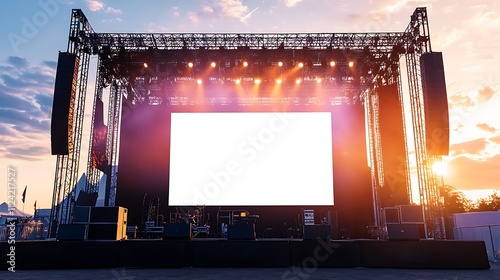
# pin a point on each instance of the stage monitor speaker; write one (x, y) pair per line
(177, 231)
(63, 104)
(107, 232)
(391, 215)
(403, 232)
(72, 232)
(241, 232)
(437, 124)
(314, 232)
(108, 214)
(411, 214)
(81, 215)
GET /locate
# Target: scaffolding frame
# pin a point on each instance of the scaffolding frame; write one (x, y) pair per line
(377, 52)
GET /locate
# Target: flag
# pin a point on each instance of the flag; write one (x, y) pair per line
(24, 194)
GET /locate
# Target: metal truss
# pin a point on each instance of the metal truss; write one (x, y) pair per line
(382, 42)
(67, 165)
(93, 174)
(428, 181)
(117, 91)
(145, 67)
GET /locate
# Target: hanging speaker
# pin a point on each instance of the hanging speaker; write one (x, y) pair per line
(437, 124)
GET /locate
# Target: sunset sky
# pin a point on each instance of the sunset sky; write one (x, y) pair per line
(32, 33)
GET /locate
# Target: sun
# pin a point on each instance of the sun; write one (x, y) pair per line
(440, 168)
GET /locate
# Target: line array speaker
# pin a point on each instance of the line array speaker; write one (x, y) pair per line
(437, 124)
(63, 105)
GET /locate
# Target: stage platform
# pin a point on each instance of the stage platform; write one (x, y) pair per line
(207, 252)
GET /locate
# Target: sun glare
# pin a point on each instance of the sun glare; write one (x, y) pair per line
(440, 168)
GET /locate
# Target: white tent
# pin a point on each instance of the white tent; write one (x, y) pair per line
(13, 212)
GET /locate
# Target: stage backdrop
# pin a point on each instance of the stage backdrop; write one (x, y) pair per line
(274, 161)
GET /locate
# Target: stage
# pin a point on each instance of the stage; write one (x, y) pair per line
(208, 252)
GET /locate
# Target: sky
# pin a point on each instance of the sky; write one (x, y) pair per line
(32, 32)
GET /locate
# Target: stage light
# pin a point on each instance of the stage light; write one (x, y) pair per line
(301, 64)
(257, 81)
(190, 65)
(332, 63)
(213, 64)
(245, 64)
(298, 81)
(199, 81)
(319, 80)
(237, 81)
(145, 65)
(280, 64)
(279, 81)
(351, 63)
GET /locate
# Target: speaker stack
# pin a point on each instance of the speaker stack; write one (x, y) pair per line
(404, 222)
(107, 223)
(95, 223)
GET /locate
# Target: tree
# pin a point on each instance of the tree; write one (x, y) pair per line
(455, 201)
(491, 203)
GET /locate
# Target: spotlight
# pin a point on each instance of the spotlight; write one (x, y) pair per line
(245, 64)
(319, 80)
(279, 81)
(301, 64)
(280, 64)
(351, 63)
(145, 65)
(298, 81)
(257, 81)
(213, 64)
(332, 63)
(190, 65)
(238, 81)
(199, 81)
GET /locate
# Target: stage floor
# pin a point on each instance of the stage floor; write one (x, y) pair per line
(205, 252)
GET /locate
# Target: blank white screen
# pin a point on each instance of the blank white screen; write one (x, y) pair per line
(222, 159)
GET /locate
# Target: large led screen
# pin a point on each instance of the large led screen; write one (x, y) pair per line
(251, 159)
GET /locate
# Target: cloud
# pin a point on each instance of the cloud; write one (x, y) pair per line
(467, 173)
(486, 93)
(495, 139)
(449, 36)
(17, 61)
(394, 6)
(486, 127)
(26, 94)
(291, 3)
(458, 100)
(207, 9)
(232, 8)
(29, 151)
(193, 17)
(95, 5)
(176, 11)
(112, 20)
(113, 10)
(470, 147)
